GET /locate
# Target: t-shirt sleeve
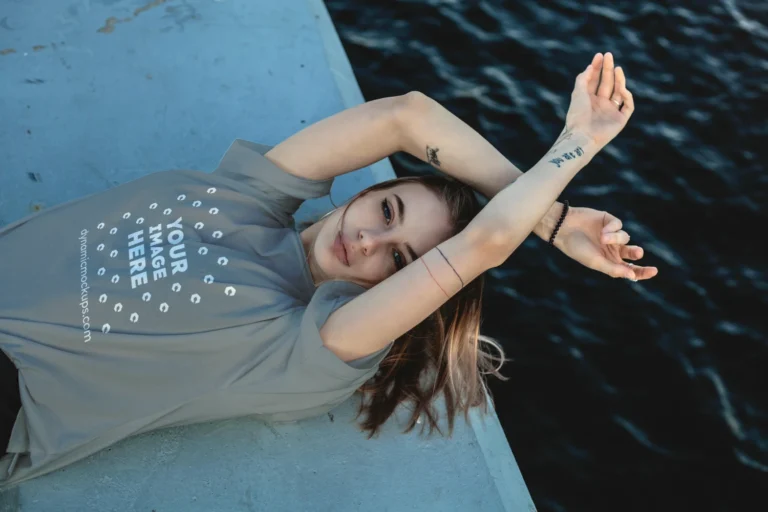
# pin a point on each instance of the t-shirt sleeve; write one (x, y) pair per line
(277, 192)
(318, 359)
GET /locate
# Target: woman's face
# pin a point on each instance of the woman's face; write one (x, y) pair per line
(379, 235)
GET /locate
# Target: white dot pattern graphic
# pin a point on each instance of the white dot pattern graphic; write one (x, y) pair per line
(176, 238)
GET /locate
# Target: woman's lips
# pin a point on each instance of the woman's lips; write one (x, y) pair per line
(344, 246)
(341, 250)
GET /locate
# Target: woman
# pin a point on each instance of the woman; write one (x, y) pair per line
(186, 296)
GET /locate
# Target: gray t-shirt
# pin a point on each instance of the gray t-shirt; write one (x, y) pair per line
(179, 297)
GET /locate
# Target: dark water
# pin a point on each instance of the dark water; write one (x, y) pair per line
(623, 396)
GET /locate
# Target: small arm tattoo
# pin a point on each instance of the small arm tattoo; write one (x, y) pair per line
(432, 156)
(568, 155)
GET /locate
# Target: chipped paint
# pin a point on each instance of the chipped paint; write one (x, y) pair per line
(150, 5)
(35, 48)
(109, 24)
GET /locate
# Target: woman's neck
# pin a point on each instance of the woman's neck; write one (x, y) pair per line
(308, 239)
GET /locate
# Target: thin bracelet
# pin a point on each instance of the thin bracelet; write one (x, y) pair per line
(449, 263)
(557, 227)
(433, 277)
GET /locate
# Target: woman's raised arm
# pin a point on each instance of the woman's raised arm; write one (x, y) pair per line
(369, 322)
(346, 141)
(364, 134)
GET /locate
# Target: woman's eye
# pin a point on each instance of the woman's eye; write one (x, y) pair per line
(399, 265)
(387, 211)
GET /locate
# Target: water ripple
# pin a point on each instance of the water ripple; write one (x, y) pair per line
(728, 413)
(640, 436)
(751, 26)
(747, 461)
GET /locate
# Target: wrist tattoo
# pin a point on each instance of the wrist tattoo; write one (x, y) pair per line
(568, 155)
(432, 156)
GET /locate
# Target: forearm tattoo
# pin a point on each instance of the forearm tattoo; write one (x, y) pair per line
(568, 155)
(432, 156)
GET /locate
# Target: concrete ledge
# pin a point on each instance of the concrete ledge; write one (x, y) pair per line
(100, 93)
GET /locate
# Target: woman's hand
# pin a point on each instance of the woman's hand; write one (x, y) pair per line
(600, 103)
(595, 239)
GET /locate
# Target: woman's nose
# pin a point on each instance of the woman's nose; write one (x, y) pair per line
(371, 239)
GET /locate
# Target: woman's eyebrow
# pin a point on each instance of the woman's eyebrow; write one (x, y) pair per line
(401, 216)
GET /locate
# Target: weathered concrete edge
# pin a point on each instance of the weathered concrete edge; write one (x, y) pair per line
(493, 443)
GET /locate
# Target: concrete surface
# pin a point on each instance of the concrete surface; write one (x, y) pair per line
(97, 93)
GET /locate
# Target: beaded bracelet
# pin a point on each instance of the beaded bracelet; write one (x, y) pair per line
(559, 223)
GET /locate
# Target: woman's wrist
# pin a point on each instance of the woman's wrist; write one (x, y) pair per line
(587, 149)
(585, 141)
(547, 224)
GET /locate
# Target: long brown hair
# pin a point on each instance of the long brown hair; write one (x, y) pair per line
(444, 352)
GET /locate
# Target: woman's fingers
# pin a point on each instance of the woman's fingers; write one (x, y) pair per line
(614, 224)
(619, 270)
(594, 80)
(631, 271)
(619, 84)
(631, 252)
(618, 237)
(582, 79)
(605, 89)
(642, 273)
(621, 90)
